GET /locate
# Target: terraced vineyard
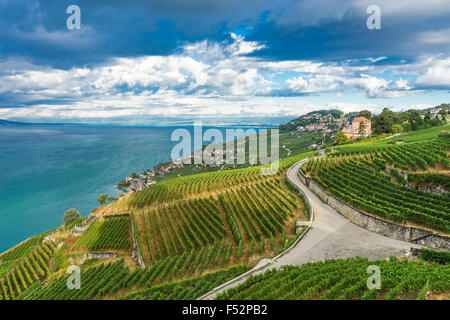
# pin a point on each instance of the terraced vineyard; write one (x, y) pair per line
(360, 179)
(114, 280)
(21, 250)
(345, 279)
(181, 188)
(209, 232)
(189, 229)
(31, 267)
(199, 225)
(198, 185)
(110, 233)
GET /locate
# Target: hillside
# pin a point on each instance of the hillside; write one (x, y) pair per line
(344, 280)
(317, 120)
(214, 226)
(373, 177)
(184, 227)
(6, 123)
(291, 143)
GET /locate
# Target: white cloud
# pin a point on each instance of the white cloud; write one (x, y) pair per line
(434, 72)
(201, 79)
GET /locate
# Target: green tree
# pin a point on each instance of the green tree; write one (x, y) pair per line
(341, 137)
(396, 128)
(110, 199)
(415, 119)
(362, 128)
(102, 199)
(384, 121)
(365, 113)
(406, 126)
(70, 216)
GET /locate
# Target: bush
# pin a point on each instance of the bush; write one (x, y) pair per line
(396, 128)
(70, 216)
(442, 257)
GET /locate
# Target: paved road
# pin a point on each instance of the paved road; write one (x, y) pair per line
(333, 236)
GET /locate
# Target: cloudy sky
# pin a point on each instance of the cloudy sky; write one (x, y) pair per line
(162, 62)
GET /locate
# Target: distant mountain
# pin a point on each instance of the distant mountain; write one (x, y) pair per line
(6, 123)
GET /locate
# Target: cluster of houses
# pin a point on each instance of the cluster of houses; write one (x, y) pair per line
(139, 182)
(218, 156)
(164, 169)
(323, 123)
(435, 111)
(314, 127)
(359, 127)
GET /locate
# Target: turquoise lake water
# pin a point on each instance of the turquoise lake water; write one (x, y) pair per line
(45, 170)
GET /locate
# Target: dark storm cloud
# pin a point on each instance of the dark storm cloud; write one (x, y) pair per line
(315, 30)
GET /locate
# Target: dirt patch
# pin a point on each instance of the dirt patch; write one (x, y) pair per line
(439, 296)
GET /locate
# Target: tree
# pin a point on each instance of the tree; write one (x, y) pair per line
(362, 128)
(415, 119)
(365, 113)
(102, 199)
(110, 199)
(406, 126)
(341, 137)
(384, 121)
(396, 128)
(70, 216)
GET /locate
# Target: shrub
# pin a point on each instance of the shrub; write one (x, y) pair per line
(70, 216)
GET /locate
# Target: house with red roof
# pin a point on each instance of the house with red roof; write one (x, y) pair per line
(360, 127)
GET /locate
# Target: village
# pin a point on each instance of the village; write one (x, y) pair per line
(324, 123)
(137, 182)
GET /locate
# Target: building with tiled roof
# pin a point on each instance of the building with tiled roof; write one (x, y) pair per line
(361, 127)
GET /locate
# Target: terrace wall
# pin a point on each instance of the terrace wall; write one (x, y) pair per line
(136, 254)
(389, 229)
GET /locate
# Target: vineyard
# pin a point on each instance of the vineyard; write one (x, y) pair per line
(188, 289)
(110, 233)
(345, 279)
(198, 185)
(197, 232)
(210, 232)
(28, 264)
(21, 250)
(195, 225)
(373, 181)
(114, 280)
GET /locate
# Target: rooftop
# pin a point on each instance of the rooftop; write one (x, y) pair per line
(361, 119)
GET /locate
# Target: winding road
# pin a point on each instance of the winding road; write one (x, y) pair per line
(330, 236)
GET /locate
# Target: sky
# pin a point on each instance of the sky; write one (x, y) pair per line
(165, 62)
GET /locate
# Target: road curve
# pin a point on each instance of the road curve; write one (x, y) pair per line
(331, 236)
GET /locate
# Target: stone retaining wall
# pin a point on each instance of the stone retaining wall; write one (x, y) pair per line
(136, 253)
(97, 255)
(389, 229)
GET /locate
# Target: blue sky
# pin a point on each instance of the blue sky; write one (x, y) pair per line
(138, 62)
